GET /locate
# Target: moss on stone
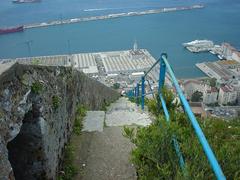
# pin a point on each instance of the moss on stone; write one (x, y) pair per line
(56, 101)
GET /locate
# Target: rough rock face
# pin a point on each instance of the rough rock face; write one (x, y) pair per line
(37, 111)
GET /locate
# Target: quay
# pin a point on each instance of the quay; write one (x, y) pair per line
(112, 16)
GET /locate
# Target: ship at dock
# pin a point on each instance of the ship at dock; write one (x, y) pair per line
(25, 1)
(199, 45)
(11, 30)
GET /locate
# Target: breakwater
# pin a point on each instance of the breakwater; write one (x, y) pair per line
(112, 16)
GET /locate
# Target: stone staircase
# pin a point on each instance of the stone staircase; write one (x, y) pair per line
(103, 152)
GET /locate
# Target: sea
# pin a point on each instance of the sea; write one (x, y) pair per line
(219, 21)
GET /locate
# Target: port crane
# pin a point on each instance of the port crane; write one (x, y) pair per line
(69, 47)
(28, 43)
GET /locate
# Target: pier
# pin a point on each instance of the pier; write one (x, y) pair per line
(112, 16)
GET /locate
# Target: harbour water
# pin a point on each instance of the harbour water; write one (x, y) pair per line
(158, 33)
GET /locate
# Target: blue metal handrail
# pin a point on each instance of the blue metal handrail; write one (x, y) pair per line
(164, 66)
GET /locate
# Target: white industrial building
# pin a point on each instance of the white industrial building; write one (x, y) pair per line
(126, 61)
(136, 76)
(191, 86)
(236, 56)
(85, 62)
(210, 95)
(230, 53)
(236, 85)
(227, 94)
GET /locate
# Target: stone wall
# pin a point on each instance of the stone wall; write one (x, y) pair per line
(37, 111)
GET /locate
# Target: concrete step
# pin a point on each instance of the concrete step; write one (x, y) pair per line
(123, 112)
(93, 121)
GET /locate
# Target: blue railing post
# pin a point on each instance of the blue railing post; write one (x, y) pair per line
(162, 73)
(143, 92)
(137, 94)
(161, 82)
(150, 87)
(131, 93)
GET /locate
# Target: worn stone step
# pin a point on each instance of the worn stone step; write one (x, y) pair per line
(124, 112)
(93, 121)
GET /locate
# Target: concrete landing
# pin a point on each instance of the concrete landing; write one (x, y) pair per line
(94, 121)
(124, 112)
(104, 156)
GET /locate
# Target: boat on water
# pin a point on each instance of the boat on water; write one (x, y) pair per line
(11, 30)
(199, 43)
(220, 57)
(25, 1)
(212, 52)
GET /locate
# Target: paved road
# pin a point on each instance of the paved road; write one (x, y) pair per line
(104, 155)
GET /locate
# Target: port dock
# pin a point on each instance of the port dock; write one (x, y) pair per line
(221, 70)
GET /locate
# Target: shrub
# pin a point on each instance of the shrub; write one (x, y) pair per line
(197, 96)
(70, 170)
(132, 99)
(155, 105)
(35, 61)
(116, 86)
(56, 101)
(128, 133)
(105, 105)
(155, 156)
(80, 113)
(37, 87)
(139, 100)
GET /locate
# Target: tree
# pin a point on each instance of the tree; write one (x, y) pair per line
(213, 82)
(197, 96)
(116, 86)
